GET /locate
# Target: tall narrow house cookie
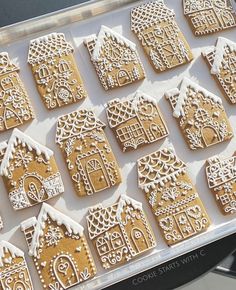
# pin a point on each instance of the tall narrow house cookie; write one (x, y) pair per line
(119, 232)
(87, 152)
(156, 28)
(172, 196)
(14, 273)
(222, 62)
(136, 122)
(209, 16)
(221, 177)
(55, 71)
(115, 58)
(59, 249)
(29, 172)
(15, 106)
(200, 114)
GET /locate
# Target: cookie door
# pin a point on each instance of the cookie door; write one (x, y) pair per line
(96, 174)
(139, 240)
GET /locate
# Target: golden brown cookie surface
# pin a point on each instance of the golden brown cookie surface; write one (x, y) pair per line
(172, 196)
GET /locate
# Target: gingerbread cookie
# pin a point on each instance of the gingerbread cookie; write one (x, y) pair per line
(55, 71)
(221, 177)
(209, 16)
(14, 272)
(3, 148)
(15, 106)
(201, 115)
(115, 58)
(222, 62)
(136, 122)
(87, 152)
(59, 249)
(172, 196)
(119, 232)
(156, 28)
(29, 172)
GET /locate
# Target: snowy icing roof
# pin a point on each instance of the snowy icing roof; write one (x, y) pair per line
(101, 219)
(220, 50)
(6, 65)
(148, 14)
(18, 137)
(158, 168)
(183, 96)
(104, 33)
(119, 111)
(191, 6)
(6, 247)
(76, 123)
(58, 217)
(48, 46)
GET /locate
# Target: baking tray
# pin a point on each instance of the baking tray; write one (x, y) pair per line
(77, 23)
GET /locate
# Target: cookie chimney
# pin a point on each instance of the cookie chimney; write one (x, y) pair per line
(28, 228)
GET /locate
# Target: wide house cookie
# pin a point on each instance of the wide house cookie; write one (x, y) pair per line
(221, 59)
(209, 16)
(119, 232)
(59, 249)
(15, 106)
(156, 28)
(87, 152)
(29, 172)
(115, 58)
(221, 177)
(14, 272)
(136, 121)
(55, 71)
(200, 114)
(172, 196)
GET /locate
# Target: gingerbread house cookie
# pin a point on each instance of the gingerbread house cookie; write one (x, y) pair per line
(119, 232)
(59, 249)
(14, 273)
(15, 106)
(55, 71)
(221, 177)
(200, 114)
(209, 16)
(115, 58)
(172, 196)
(156, 28)
(222, 62)
(136, 122)
(87, 152)
(29, 172)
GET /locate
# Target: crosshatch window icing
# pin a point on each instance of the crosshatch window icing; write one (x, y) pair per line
(172, 196)
(115, 58)
(56, 75)
(29, 172)
(155, 26)
(201, 115)
(88, 155)
(119, 232)
(59, 249)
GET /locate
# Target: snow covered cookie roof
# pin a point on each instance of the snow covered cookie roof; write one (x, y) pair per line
(6, 65)
(17, 138)
(6, 247)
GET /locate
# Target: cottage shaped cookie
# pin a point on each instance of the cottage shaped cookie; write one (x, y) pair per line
(136, 122)
(160, 36)
(221, 177)
(201, 115)
(15, 106)
(209, 16)
(87, 152)
(59, 249)
(119, 232)
(55, 72)
(14, 273)
(222, 62)
(115, 58)
(172, 196)
(29, 172)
